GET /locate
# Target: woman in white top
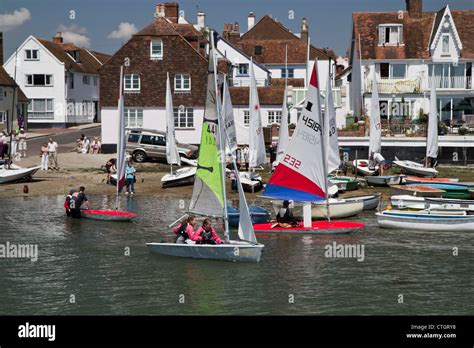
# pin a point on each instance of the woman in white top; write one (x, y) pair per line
(22, 143)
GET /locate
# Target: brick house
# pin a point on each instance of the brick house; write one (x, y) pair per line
(169, 44)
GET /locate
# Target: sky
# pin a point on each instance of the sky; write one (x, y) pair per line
(104, 25)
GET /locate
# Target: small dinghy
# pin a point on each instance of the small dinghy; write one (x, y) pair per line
(362, 167)
(180, 177)
(108, 215)
(16, 173)
(344, 184)
(451, 190)
(258, 215)
(416, 190)
(384, 180)
(426, 221)
(317, 227)
(369, 202)
(251, 181)
(410, 167)
(418, 180)
(338, 208)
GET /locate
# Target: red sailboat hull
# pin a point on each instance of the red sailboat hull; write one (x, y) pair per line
(317, 227)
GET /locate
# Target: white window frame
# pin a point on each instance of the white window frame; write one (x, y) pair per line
(48, 112)
(284, 72)
(187, 114)
(179, 80)
(274, 116)
(246, 117)
(443, 37)
(135, 114)
(51, 84)
(131, 87)
(156, 55)
(86, 80)
(390, 71)
(31, 50)
(239, 71)
(390, 26)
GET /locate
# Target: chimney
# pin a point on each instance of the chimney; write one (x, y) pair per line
(236, 27)
(250, 21)
(414, 8)
(57, 38)
(304, 30)
(1, 48)
(169, 10)
(234, 35)
(201, 20)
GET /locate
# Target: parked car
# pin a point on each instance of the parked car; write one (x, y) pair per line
(145, 144)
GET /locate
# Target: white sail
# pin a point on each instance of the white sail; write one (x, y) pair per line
(283, 136)
(246, 231)
(375, 139)
(432, 136)
(229, 121)
(257, 155)
(121, 140)
(330, 126)
(172, 154)
(356, 81)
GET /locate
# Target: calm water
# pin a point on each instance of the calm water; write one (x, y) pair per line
(86, 258)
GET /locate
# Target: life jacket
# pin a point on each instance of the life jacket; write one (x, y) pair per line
(66, 202)
(207, 237)
(182, 232)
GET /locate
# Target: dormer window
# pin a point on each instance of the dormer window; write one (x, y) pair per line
(445, 43)
(390, 34)
(75, 55)
(156, 49)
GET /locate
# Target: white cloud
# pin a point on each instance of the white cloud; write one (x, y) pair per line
(75, 34)
(125, 31)
(10, 21)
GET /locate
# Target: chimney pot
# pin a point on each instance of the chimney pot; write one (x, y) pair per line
(304, 30)
(201, 20)
(236, 27)
(250, 21)
(57, 38)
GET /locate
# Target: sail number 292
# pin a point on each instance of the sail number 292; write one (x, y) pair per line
(292, 161)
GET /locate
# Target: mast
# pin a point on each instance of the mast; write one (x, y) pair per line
(221, 141)
(307, 64)
(10, 124)
(119, 141)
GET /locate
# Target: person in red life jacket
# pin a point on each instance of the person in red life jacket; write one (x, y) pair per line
(67, 201)
(76, 201)
(206, 234)
(185, 230)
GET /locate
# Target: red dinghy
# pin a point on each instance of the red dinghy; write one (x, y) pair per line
(318, 227)
(108, 215)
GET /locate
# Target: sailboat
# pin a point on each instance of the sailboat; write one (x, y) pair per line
(209, 195)
(182, 176)
(115, 215)
(302, 174)
(418, 169)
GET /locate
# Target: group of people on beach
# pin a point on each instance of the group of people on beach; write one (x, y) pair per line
(74, 201)
(17, 139)
(205, 234)
(84, 145)
(49, 155)
(130, 178)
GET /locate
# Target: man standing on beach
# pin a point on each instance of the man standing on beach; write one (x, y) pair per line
(53, 154)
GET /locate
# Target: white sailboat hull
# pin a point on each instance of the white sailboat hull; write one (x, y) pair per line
(234, 251)
(369, 202)
(180, 177)
(362, 167)
(338, 208)
(425, 222)
(416, 169)
(16, 173)
(385, 180)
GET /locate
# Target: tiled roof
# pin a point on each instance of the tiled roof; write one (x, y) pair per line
(268, 29)
(267, 95)
(88, 64)
(417, 33)
(102, 57)
(188, 31)
(7, 81)
(295, 82)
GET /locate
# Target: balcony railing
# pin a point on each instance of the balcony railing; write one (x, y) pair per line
(245, 82)
(389, 86)
(450, 82)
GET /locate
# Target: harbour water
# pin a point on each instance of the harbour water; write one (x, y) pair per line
(83, 268)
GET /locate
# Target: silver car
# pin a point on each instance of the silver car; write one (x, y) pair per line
(145, 144)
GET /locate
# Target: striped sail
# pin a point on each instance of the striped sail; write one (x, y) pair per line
(172, 154)
(333, 160)
(256, 142)
(208, 192)
(300, 175)
(432, 137)
(375, 139)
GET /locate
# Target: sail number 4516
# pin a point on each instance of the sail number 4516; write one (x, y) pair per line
(292, 161)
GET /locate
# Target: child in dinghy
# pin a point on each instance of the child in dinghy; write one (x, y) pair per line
(285, 216)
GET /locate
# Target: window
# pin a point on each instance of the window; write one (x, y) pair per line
(133, 118)
(258, 50)
(39, 80)
(1, 93)
(391, 34)
(449, 76)
(41, 109)
(132, 82)
(246, 117)
(156, 49)
(96, 80)
(184, 118)
(75, 54)
(445, 43)
(398, 71)
(86, 79)
(243, 69)
(3, 116)
(153, 140)
(133, 138)
(70, 80)
(31, 55)
(274, 116)
(291, 73)
(182, 82)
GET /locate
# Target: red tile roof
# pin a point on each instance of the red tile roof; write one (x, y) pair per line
(267, 95)
(7, 81)
(295, 82)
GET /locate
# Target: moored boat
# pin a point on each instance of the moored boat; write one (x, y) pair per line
(425, 221)
(108, 215)
(180, 177)
(416, 190)
(258, 215)
(317, 228)
(451, 190)
(417, 179)
(16, 173)
(369, 202)
(384, 180)
(409, 167)
(362, 167)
